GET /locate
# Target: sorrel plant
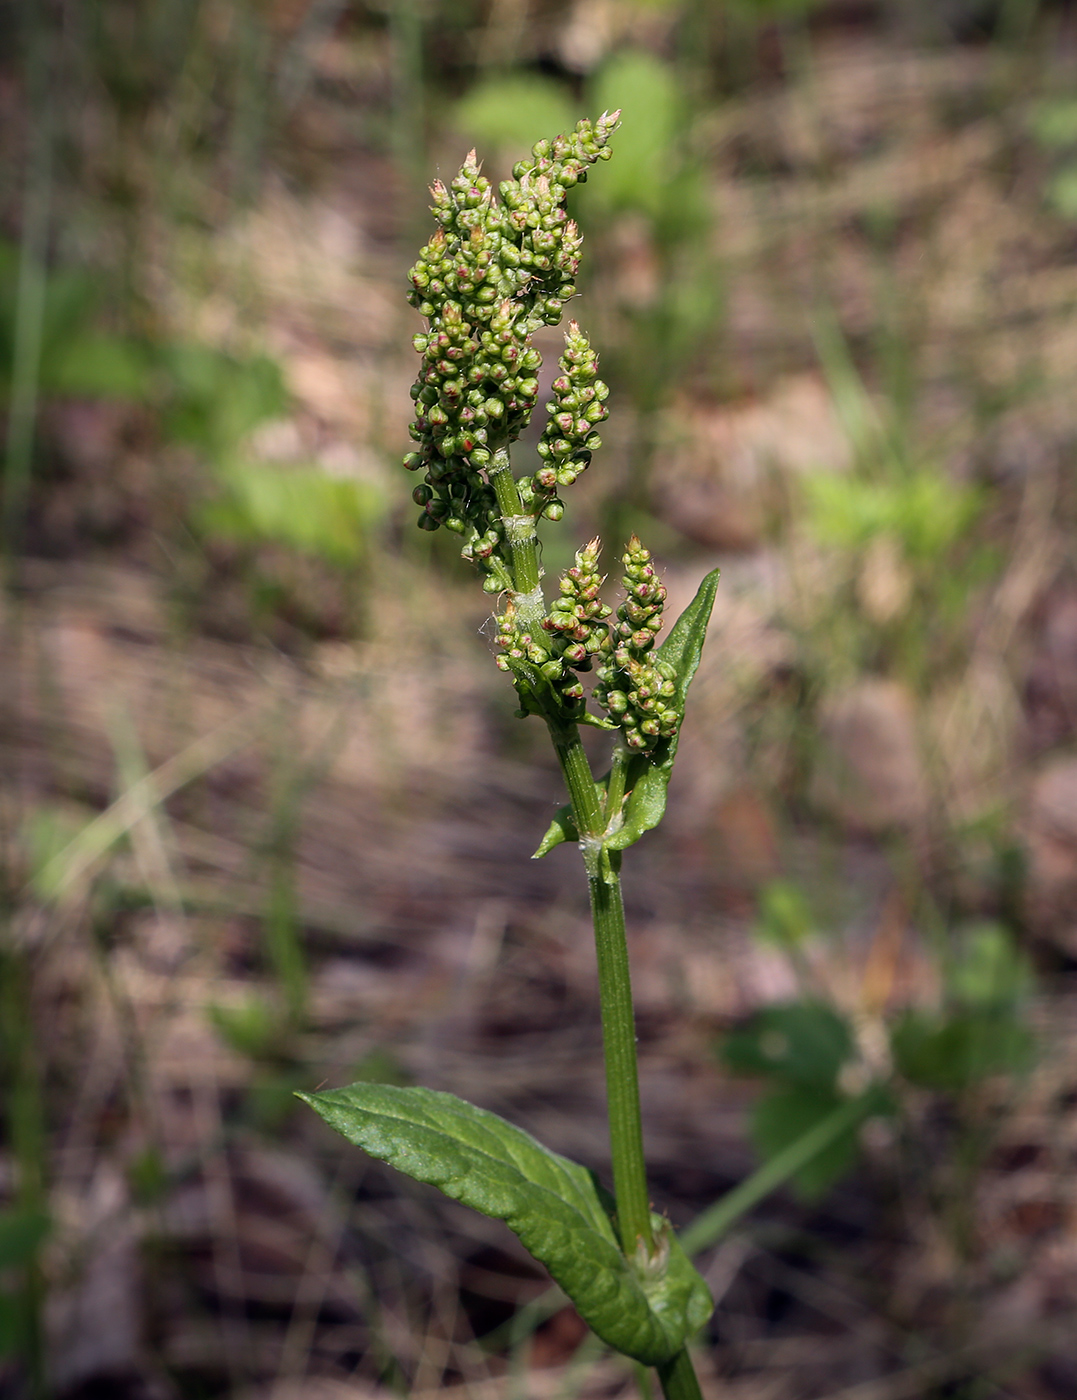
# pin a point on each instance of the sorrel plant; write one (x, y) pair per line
(493, 273)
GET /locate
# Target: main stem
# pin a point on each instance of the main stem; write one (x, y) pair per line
(615, 995)
(677, 1376)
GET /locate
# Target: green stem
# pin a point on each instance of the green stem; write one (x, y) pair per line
(678, 1378)
(29, 309)
(622, 1076)
(615, 792)
(615, 995)
(522, 540)
(586, 806)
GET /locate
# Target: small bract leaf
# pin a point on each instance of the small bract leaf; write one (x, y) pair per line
(648, 777)
(556, 1207)
(562, 828)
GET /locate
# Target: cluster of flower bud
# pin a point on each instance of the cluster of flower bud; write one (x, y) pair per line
(576, 631)
(569, 438)
(636, 690)
(491, 275)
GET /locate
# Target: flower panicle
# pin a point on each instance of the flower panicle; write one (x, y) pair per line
(569, 438)
(574, 636)
(494, 271)
(636, 689)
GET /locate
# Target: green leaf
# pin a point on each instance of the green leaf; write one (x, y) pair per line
(785, 916)
(562, 828)
(1054, 122)
(951, 1052)
(1062, 192)
(503, 113)
(785, 1116)
(539, 697)
(556, 1207)
(303, 508)
(97, 366)
(648, 777)
(22, 1232)
(804, 1043)
(988, 970)
(651, 98)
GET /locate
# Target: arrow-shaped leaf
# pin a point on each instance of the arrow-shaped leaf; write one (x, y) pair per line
(562, 828)
(648, 776)
(556, 1207)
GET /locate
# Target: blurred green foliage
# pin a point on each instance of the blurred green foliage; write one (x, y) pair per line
(1053, 124)
(502, 112)
(808, 1053)
(302, 508)
(800, 1048)
(653, 174)
(23, 1231)
(784, 917)
(924, 510)
(77, 360)
(205, 399)
(214, 400)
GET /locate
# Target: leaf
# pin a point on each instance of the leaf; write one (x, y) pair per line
(22, 1232)
(302, 508)
(785, 916)
(648, 777)
(1054, 123)
(97, 366)
(537, 695)
(988, 969)
(556, 1207)
(803, 1043)
(504, 113)
(952, 1052)
(562, 828)
(785, 1116)
(651, 99)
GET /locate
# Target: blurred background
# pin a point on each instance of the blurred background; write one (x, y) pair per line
(266, 814)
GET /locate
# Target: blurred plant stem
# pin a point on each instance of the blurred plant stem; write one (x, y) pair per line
(23, 1112)
(25, 1132)
(408, 137)
(251, 102)
(32, 281)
